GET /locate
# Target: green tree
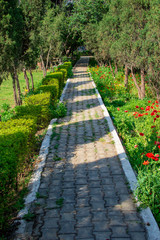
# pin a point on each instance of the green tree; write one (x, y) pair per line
(11, 24)
(132, 39)
(152, 43)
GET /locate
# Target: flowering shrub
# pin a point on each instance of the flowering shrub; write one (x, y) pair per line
(138, 124)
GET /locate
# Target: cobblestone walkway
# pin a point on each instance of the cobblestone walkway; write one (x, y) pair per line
(83, 192)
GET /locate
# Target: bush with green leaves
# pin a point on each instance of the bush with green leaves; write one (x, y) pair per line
(52, 88)
(16, 143)
(60, 110)
(64, 71)
(44, 101)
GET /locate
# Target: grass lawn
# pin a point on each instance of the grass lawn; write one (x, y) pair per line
(6, 89)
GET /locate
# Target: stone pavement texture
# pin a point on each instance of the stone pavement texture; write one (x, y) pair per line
(83, 193)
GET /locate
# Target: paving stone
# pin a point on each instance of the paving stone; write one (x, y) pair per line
(49, 235)
(101, 226)
(84, 221)
(68, 217)
(52, 213)
(111, 202)
(138, 235)
(84, 211)
(102, 236)
(67, 227)
(120, 232)
(50, 223)
(135, 226)
(68, 208)
(98, 206)
(99, 216)
(85, 232)
(67, 237)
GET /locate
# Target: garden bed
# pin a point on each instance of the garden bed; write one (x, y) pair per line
(138, 124)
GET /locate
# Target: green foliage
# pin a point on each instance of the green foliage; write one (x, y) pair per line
(44, 101)
(16, 142)
(29, 216)
(137, 122)
(52, 88)
(64, 71)
(7, 113)
(60, 110)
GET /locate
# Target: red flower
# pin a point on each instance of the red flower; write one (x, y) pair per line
(148, 108)
(153, 126)
(155, 159)
(149, 155)
(140, 115)
(157, 155)
(135, 146)
(149, 101)
(118, 109)
(156, 143)
(159, 146)
(142, 108)
(152, 114)
(137, 106)
(146, 162)
(157, 116)
(126, 111)
(141, 134)
(156, 101)
(158, 136)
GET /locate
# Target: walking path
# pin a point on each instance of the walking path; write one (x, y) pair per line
(83, 193)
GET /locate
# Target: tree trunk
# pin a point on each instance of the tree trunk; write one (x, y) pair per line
(14, 89)
(142, 84)
(136, 84)
(111, 69)
(26, 79)
(116, 68)
(48, 56)
(18, 88)
(43, 66)
(31, 79)
(126, 76)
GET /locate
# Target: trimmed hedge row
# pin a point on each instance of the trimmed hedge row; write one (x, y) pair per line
(17, 136)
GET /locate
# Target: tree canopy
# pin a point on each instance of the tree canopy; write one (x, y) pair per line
(118, 32)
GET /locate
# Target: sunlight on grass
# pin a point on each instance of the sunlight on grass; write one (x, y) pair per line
(6, 89)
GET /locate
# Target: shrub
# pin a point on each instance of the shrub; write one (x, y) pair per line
(55, 75)
(44, 101)
(60, 111)
(68, 67)
(27, 112)
(52, 88)
(65, 73)
(16, 142)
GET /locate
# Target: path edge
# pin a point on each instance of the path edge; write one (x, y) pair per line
(152, 229)
(34, 182)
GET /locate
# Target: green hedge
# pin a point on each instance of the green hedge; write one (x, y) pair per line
(55, 75)
(17, 136)
(67, 66)
(45, 101)
(16, 143)
(65, 73)
(52, 88)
